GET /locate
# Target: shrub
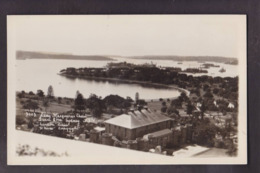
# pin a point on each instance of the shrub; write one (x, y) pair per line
(31, 93)
(20, 95)
(20, 120)
(163, 109)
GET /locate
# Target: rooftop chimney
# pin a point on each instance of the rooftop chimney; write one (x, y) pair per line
(140, 108)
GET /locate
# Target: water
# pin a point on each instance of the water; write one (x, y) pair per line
(34, 74)
(231, 70)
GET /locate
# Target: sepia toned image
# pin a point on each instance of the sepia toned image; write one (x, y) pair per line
(127, 89)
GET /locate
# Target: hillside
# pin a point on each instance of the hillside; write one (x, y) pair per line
(227, 60)
(22, 55)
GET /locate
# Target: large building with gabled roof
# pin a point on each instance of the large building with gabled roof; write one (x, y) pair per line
(137, 123)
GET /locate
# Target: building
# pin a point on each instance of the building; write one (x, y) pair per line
(160, 138)
(136, 124)
(231, 105)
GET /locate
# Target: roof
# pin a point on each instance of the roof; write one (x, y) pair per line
(121, 120)
(231, 105)
(160, 133)
(138, 119)
(99, 129)
(189, 151)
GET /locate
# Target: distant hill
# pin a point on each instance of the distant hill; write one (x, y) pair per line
(226, 60)
(21, 55)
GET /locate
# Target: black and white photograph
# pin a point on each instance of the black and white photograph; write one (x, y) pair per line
(126, 89)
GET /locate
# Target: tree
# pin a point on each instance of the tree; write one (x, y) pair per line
(136, 96)
(50, 92)
(116, 101)
(59, 100)
(126, 104)
(45, 104)
(30, 124)
(215, 90)
(189, 108)
(205, 133)
(77, 93)
(232, 149)
(208, 94)
(93, 96)
(163, 109)
(96, 112)
(184, 96)
(129, 99)
(31, 105)
(180, 99)
(40, 93)
(172, 110)
(205, 87)
(177, 103)
(95, 104)
(203, 108)
(163, 103)
(79, 103)
(31, 93)
(20, 95)
(58, 133)
(141, 102)
(20, 120)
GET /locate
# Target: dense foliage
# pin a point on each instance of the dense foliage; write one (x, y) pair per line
(222, 87)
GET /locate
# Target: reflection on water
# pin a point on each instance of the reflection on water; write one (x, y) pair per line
(120, 82)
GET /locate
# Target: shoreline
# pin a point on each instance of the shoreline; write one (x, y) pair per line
(132, 82)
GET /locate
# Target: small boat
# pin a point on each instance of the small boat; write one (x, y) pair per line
(222, 70)
(179, 62)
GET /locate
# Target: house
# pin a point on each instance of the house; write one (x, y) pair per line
(215, 103)
(230, 105)
(161, 138)
(136, 124)
(198, 104)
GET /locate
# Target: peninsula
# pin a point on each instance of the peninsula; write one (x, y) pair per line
(22, 55)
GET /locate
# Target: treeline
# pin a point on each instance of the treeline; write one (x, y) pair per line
(93, 104)
(96, 105)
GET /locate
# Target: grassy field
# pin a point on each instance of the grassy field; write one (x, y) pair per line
(53, 106)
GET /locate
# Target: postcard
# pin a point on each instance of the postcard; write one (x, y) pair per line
(127, 89)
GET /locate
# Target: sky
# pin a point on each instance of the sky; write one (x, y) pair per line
(130, 35)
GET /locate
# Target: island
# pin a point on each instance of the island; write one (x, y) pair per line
(202, 59)
(208, 65)
(195, 70)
